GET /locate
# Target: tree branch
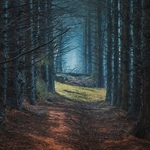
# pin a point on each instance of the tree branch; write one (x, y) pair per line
(24, 53)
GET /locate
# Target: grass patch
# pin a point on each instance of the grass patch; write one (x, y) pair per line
(78, 93)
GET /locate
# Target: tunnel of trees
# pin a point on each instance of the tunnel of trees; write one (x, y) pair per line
(108, 39)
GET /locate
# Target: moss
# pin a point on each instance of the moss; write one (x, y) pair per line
(41, 89)
(78, 93)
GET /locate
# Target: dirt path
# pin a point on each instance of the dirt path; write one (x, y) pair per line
(69, 126)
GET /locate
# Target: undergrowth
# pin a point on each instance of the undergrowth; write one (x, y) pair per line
(41, 89)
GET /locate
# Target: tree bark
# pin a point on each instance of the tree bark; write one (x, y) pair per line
(3, 56)
(109, 97)
(137, 40)
(116, 54)
(100, 46)
(125, 54)
(142, 128)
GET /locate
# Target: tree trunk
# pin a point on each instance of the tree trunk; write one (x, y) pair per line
(30, 60)
(100, 47)
(49, 66)
(125, 53)
(142, 128)
(116, 54)
(109, 53)
(137, 38)
(3, 57)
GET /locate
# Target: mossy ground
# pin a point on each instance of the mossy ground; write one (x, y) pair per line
(80, 94)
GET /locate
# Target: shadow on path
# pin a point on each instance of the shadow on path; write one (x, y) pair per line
(60, 125)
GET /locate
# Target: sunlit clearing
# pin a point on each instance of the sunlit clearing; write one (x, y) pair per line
(77, 93)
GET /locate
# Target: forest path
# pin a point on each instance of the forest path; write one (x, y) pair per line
(60, 125)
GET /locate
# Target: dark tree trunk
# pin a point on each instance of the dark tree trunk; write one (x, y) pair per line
(116, 55)
(125, 54)
(137, 38)
(30, 58)
(142, 128)
(100, 47)
(49, 49)
(89, 40)
(85, 46)
(3, 57)
(15, 73)
(109, 54)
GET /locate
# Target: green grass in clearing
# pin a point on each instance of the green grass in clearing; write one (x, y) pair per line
(77, 93)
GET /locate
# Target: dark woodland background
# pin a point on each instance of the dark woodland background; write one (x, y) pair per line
(113, 46)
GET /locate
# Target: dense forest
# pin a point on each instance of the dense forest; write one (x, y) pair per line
(113, 46)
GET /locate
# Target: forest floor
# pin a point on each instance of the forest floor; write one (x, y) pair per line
(62, 124)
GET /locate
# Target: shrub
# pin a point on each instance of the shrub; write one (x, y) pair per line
(42, 92)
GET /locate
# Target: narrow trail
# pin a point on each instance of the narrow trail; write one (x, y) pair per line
(60, 125)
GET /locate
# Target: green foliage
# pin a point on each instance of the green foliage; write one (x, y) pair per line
(43, 61)
(78, 93)
(41, 89)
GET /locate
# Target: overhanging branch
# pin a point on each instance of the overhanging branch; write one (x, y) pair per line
(24, 53)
